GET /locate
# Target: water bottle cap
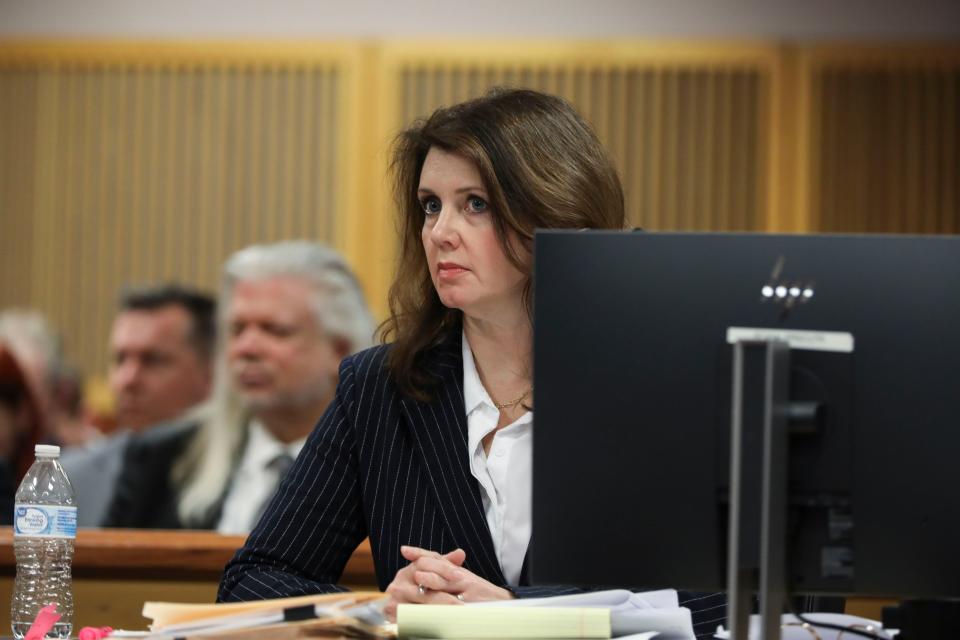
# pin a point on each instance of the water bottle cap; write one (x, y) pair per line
(47, 451)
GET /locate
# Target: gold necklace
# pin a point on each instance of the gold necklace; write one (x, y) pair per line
(512, 403)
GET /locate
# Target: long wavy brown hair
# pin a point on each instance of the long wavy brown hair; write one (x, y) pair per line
(542, 167)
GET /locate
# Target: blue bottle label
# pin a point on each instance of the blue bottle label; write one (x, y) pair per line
(44, 521)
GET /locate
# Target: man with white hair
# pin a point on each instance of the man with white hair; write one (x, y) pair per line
(289, 313)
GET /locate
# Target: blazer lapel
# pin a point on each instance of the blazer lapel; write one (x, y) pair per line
(439, 429)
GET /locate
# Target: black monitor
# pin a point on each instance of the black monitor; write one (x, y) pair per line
(635, 346)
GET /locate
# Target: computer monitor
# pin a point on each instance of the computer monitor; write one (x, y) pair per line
(634, 343)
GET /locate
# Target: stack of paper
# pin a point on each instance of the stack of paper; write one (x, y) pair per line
(354, 614)
(600, 614)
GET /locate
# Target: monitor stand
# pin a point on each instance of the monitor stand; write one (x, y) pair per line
(756, 557)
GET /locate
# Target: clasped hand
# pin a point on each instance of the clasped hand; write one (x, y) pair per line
(434, 578)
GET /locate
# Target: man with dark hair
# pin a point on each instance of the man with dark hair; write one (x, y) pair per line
(161, 346)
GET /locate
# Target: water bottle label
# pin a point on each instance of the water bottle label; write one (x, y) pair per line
(44, 521)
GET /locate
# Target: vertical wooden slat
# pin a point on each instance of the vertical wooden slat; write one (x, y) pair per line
(873, 147)
(950, 151)
(828, 135)
(205, 139)
(290, 121)
(331, 171)
(322, 225)
(138, 161)
(724, 169)
(896, 152)
(634, 115)
(50, 153)
(762, 176)
(600, 98)
(752, 192)
(914, 128)
(308, 150)
(931, 102)
(145, 209)
(8, 203)
(654, 212)
(188, 214)
(67, 174)
(672, 124)
(107, 114)
(708, 150)
(237, 184)
(737, 150)
(172, 145)
(85, 217)
(252, 209)
(215, 219)
(687, 182)
(620, 125)
(268, 211)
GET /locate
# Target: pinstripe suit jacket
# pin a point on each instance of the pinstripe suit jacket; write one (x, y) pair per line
(378, 464)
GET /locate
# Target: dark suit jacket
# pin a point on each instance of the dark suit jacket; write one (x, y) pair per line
(382, 465)
(145, 497)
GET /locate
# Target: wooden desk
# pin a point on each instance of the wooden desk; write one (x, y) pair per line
(116, 570)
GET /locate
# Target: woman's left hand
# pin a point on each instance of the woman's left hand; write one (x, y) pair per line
(433, 578)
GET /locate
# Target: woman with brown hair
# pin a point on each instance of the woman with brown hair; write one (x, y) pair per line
(427, 446)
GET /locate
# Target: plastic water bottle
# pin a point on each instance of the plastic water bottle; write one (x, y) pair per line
(44, 528)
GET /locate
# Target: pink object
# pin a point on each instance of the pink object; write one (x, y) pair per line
(46, 618)
(94, 633)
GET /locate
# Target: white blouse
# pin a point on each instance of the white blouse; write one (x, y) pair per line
(505, 476)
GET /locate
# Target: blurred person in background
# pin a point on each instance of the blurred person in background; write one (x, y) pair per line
(56, 385)
(289, 312)
(20, 428)
(69, 423)
(38, 351)
(160, 350)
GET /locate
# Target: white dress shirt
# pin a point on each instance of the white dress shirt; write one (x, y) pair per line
(505, 477)
(255, 480)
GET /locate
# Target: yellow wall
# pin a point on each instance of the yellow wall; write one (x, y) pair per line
(137, 162)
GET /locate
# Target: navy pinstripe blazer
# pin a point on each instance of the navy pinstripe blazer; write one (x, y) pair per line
(382, 465)
(378, 464)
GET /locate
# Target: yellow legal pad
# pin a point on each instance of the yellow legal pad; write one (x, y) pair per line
(445, 621)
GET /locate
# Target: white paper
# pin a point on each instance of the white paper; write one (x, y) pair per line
(630, 613)
(614, 599)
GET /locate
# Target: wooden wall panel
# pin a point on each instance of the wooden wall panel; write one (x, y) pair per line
(886, 140)
(129, 172)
